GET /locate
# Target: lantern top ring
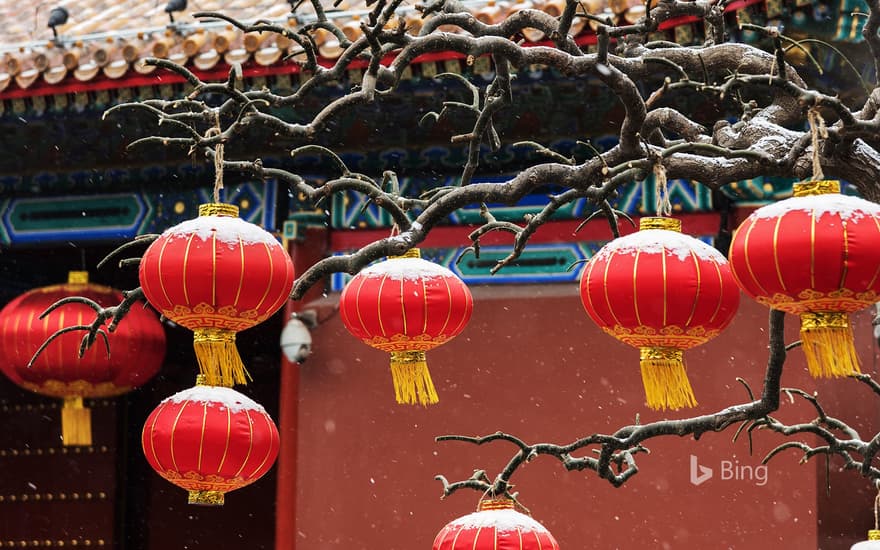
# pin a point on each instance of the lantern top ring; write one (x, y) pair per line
(411, 253)
(818, 187)
(496, 504)
(77, 277)
(656, 222)
(218, 209)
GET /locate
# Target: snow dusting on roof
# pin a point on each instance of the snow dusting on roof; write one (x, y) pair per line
(502, 520)
(655, 241)
(226, 397)
(845, 206)
(406, 268)
(228, 230)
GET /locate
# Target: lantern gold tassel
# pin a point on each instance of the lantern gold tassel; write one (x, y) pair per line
(218, 357)
(412, 381)
(827, 340)
(665, 379)
(76, 422)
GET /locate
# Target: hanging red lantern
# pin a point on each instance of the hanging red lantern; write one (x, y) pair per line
(210, 440)
(132, 355)
(496, 525)
(813, 255)
(217, 275)
(406, 306)
(662, 292)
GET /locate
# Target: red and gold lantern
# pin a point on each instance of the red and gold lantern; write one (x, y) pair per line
(814, 255)
(496, 525)
(406, 306)
(210, 440)
(217, 275)
(662, 292)
(132, 355)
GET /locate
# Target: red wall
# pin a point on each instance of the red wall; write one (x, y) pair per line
(532, 364)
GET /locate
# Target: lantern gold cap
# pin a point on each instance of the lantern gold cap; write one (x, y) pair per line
(218, 209)
(411, 253)
(77, 277)
(206, 498)
(874, 534)
(501, 503)
(657, 222)
(818, 187)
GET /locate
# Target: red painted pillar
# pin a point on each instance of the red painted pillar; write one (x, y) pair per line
(305, 253)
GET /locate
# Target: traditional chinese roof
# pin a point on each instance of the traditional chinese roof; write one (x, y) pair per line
(103, 42)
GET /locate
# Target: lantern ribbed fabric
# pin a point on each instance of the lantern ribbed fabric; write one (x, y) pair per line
(814, 255)
(216, 275)
(662, 292)
(406, 306)
(497, 525)
(210, 440)
(873, 542)
(136, 350)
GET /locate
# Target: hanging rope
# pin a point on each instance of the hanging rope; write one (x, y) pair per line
(218, 158)
(817, 130)
(664, 205)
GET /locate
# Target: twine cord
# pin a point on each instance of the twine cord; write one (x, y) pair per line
(663, 205)
(218, 158)
(817, 130)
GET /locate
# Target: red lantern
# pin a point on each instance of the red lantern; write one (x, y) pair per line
(136, 350)
(210, 440)
(405, 306)
(813, 255)
(217, 275)
(662, 292)
(497, 525)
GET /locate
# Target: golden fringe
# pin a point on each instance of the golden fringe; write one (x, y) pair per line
(830, 351)
(665, 379)
(218, 358)
(412, 381)
(76, 422)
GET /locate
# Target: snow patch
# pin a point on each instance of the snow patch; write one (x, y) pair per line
(656, 241)
(226, 397)
(844, 206)
(501, 520)
(226, 228)
(406, 268)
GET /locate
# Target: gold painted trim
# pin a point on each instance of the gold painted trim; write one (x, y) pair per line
(635, 272)
(202, 436)
(357, 304)
(776, 254)
(402, 307)
(228, 437)
(247, 457)
(746, 254)
(845, 260)
(605, 288)
(699, 273)
(379, 305)
(173, 433)
(159, 271)
(185, 265)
